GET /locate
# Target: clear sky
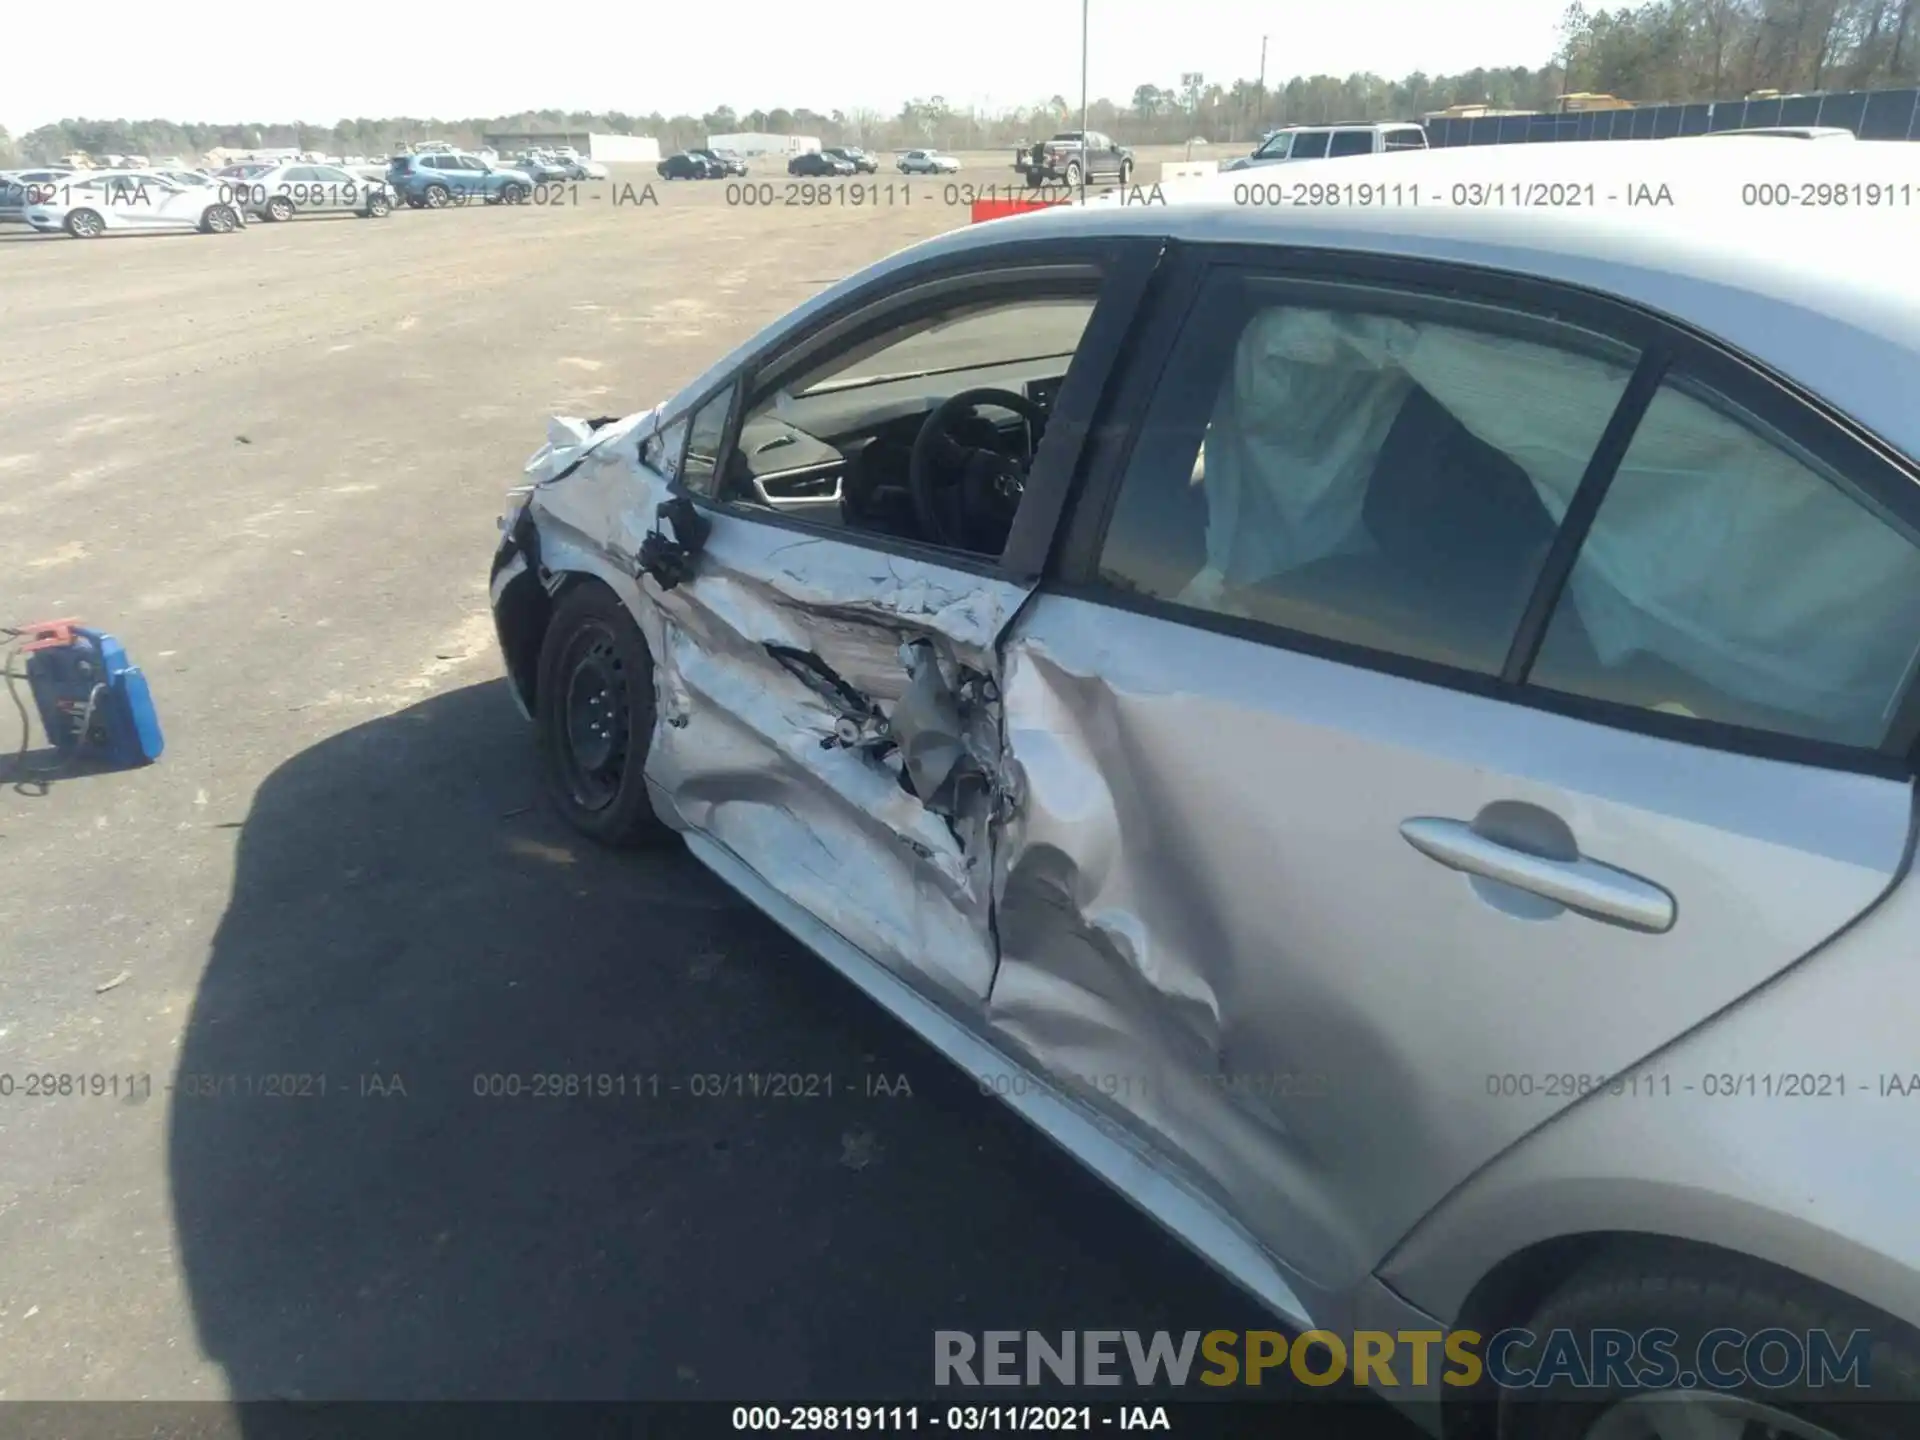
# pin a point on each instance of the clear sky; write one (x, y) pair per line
(212, 60)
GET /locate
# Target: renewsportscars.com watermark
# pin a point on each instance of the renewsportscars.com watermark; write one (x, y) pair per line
(1725, 1359)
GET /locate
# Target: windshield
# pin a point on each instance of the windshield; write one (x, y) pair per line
(1036, 330)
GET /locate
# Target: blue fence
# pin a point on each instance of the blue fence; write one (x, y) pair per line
(1870, 114)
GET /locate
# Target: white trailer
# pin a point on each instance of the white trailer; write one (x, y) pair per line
(623, 149)
(755, 142)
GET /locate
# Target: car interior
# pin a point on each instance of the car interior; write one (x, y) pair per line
(926, 432)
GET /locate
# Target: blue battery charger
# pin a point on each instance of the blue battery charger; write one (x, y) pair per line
(94, 702)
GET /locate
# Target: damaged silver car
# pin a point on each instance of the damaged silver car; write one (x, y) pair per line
(1387, 734)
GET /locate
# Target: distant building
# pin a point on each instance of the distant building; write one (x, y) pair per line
(1583, 100)
(608, 149)
(757, 142)
(1469, 112)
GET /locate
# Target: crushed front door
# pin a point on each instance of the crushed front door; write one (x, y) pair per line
(829, 713)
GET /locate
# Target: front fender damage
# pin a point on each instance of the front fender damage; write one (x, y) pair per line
(827, 712)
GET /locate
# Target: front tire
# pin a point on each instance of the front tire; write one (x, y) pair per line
(279, 208)
(219, 220)
(1126, 173)
(85, 225)
(1694, 1296)
(438, 197)
(378, 207)
(513, 194)
(594, 714)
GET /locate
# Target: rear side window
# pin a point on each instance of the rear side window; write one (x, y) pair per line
(1310, 145)
(1361, 465)
(1731, 576)
(1351, 142)
(1408, 138)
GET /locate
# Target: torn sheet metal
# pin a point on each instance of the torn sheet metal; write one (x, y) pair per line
(826, 711)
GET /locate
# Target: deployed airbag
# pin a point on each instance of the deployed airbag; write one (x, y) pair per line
(1716, 551)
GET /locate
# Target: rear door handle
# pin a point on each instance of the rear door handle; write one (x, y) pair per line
(1597, 891)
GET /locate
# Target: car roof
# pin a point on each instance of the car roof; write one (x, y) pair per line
(1797, 132)
(1827, 296)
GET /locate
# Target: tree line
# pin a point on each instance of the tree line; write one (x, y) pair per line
(1660, 52)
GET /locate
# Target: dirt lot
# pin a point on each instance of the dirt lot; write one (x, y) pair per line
(271, 462)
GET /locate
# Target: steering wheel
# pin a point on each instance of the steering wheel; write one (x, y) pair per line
(951, 482)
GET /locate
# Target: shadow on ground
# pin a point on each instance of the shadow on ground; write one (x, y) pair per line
(403, 907)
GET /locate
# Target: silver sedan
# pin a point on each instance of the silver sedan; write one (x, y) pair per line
(1387, 727)
(281, 192)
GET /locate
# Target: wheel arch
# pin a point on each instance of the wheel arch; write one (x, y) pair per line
(523, 607)
(1520, 1284)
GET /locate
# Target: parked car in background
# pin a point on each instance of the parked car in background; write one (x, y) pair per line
(728, 162)
(284, 191)
(87, 207)
(862, 162)
(1388, 732)
(16, 186)
(580, 168)
(435, 179)
(927, 162)
(1330, 142)
(690, 165)
(542, 168)
(819, 162)
(1069, 157)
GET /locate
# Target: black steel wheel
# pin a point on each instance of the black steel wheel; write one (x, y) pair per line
(594, 711)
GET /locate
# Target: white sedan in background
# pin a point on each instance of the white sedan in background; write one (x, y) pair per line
(89, 207)
(928, 162)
